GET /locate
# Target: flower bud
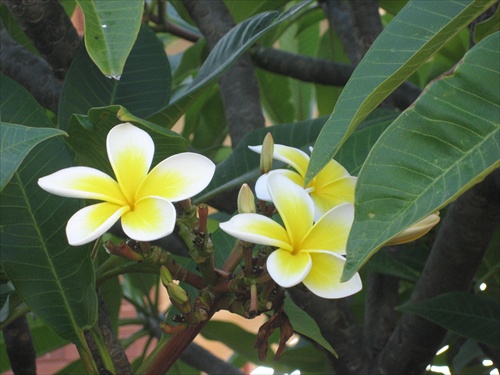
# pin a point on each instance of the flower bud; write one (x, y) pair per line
(165, 276)
(266, 156)
(246, 200)
(417, 230)
(177, 294)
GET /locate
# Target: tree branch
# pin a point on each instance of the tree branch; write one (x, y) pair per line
(338, 326)
(322, 71)
(30, 71)
(238, 85)
(457, 252)
(48, 26)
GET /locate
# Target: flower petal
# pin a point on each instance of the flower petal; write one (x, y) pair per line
(331, 172)
(258, 229)
(151, 219)
(288, 269)
(324, 277)
(261, 189)
(83, 182)
(178, 177)
(294, 205)
(417, 230)
(298, 159)
(130, 152)
(333, 194)
(93, 221)
(331, 231)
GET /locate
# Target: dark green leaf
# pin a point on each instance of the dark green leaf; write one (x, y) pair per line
(470, 315)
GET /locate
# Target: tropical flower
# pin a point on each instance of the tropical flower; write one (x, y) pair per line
(142, 200)
(332, 186)
(306, 252)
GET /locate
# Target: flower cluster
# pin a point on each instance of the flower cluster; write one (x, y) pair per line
(142, 200)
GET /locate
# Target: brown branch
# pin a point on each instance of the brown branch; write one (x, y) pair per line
(49, 27)
(29, 70)
(456, 254)
(238, 85)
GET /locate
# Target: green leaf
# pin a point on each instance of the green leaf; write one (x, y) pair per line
(88, 136)
(419, 30)
(55, 280)
(17, 141)
(451, 141)
(111, 28)
(223, 55)
(305, 325)
(470, 315)
(143, 88)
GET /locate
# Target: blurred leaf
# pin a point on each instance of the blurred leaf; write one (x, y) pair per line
(88, 136)
(275, 95)
(241, 10)
(226, 51)
(487, 27)
(143, 88)
(111, 28)
(17, 141)
(451, 142)
(469, 315)
(74, 368)
(419, 30)
(385, 263)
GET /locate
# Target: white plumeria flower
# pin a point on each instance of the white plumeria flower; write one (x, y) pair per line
(332, 186)
(306, 252)
(140, 199)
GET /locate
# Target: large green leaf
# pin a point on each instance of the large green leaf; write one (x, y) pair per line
(470, 315)
(434, 151)
(111, 28)
(223, 55)
(55, 280)
(143, 88)
(17, 141)
(88, 136)
(419, 30)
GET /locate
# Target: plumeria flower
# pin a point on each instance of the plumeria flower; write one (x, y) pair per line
(142, 200)
(332, 186)
(306, 252)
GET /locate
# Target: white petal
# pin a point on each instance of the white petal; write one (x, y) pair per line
(178, 177)
(288, 269)
(292, 156)
(258, 229)
(92, 222)
(261, 188)
(294, 205)
(324, 277)
(151, 219)
(130, 152)
(85, 183)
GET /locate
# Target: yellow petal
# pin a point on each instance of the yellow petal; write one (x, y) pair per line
(417, 230)
(331, 172)
(178, 177)
(130, 152)
(294, 205)
(151, 219)
(257, 229)
(331, 231)
(287, 269)
(85, 183)
(324, 277)
(333, 194)
(92, 221)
